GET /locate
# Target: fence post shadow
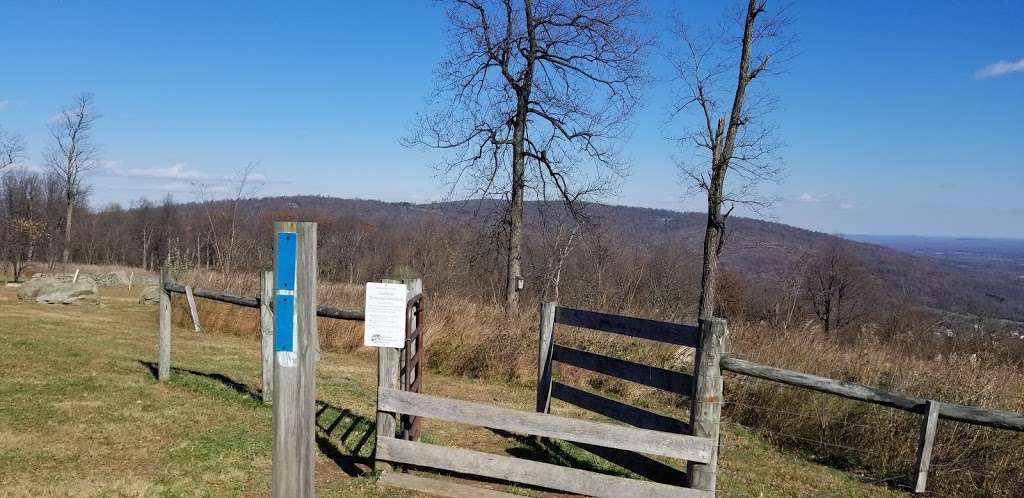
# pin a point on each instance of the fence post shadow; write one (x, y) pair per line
(344, 450)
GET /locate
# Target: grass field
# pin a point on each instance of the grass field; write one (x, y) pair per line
(82, 415)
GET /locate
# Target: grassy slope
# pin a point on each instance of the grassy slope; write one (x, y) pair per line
(81, 415)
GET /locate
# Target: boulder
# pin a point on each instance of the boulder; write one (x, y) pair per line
(150, 295)
(114, 278)
(31, 289)
(54, 291)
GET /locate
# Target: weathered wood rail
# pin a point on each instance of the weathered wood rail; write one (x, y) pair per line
(254, 302)
(961, 413)
(703, 387)
(931, 410)
(529, 472)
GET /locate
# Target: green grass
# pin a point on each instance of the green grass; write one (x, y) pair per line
(82, 415)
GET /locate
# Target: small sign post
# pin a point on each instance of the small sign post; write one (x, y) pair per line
(295, 347)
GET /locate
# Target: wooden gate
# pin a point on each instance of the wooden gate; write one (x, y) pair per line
(653, 434)
(703, 387)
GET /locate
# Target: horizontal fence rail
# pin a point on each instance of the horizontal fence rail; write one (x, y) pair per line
(617, 410)
(641, 328)
(660, 378)
(540, 424)
(968, 414)
(254, 302)
(528, 472)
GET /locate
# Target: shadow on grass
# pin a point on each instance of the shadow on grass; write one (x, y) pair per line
(342, 435)
(609, 461)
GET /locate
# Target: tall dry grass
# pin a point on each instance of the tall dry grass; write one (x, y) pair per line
(465, 337)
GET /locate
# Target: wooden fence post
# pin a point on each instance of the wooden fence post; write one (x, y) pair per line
(706, 403)
(387, 377)
(925, 443)
(164, 362)
(295, 345)
(544, 342)
(267, 333)
(192, 309)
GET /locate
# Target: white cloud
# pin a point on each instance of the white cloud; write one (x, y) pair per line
(847, 205)
(806, 197)
(176, 171)
(1000, 68)
(5, 104)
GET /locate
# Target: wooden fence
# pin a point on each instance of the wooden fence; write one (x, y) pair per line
(264, 302)
(703, 387)
(931, 410)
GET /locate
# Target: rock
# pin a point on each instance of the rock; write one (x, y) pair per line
(31, 289)
(113, 278)
(54, 291)
(150, 295)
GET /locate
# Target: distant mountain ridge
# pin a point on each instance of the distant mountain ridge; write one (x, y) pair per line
(755, 249)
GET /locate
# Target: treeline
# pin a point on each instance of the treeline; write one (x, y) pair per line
(625, 260)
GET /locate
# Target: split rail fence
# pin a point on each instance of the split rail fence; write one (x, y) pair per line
(400, 405)
(264, 302)
(931, 410)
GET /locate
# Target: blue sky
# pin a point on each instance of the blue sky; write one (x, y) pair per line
(892, 123)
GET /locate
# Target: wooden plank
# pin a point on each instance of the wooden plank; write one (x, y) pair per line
(192, 309)
(706, 403)
(541, 424)
(525, 471)
(224, 297)
(544, 343)
(294, 365)
(253, 302)
(642, 328)
(267, 334)
(340, 314)
(660, 378)
(437, 487)
(925, 443)
(998, 419)
(617, 410)
(164, 361)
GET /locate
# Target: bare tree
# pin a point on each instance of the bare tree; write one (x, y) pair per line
(12, 149)
(72, 154)
(717, 71)
(226, 216)
(836, 286)
(532, 98)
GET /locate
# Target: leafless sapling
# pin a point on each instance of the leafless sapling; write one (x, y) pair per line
(726, 131)
(72, 154)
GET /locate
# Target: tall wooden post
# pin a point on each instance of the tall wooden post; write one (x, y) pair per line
(547, 335)
(388, 376)
(925, 443)
(164, 363)
(706, 403)
(295, 271)
(267, 333)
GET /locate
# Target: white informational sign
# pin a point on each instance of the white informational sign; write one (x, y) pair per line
(385, 315)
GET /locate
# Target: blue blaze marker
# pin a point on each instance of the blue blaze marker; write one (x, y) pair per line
(286, 261)
(284, 298)
(284, 323)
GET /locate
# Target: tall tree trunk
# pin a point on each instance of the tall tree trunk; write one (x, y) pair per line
(67, 228)
(720, 157)
(515, 236)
